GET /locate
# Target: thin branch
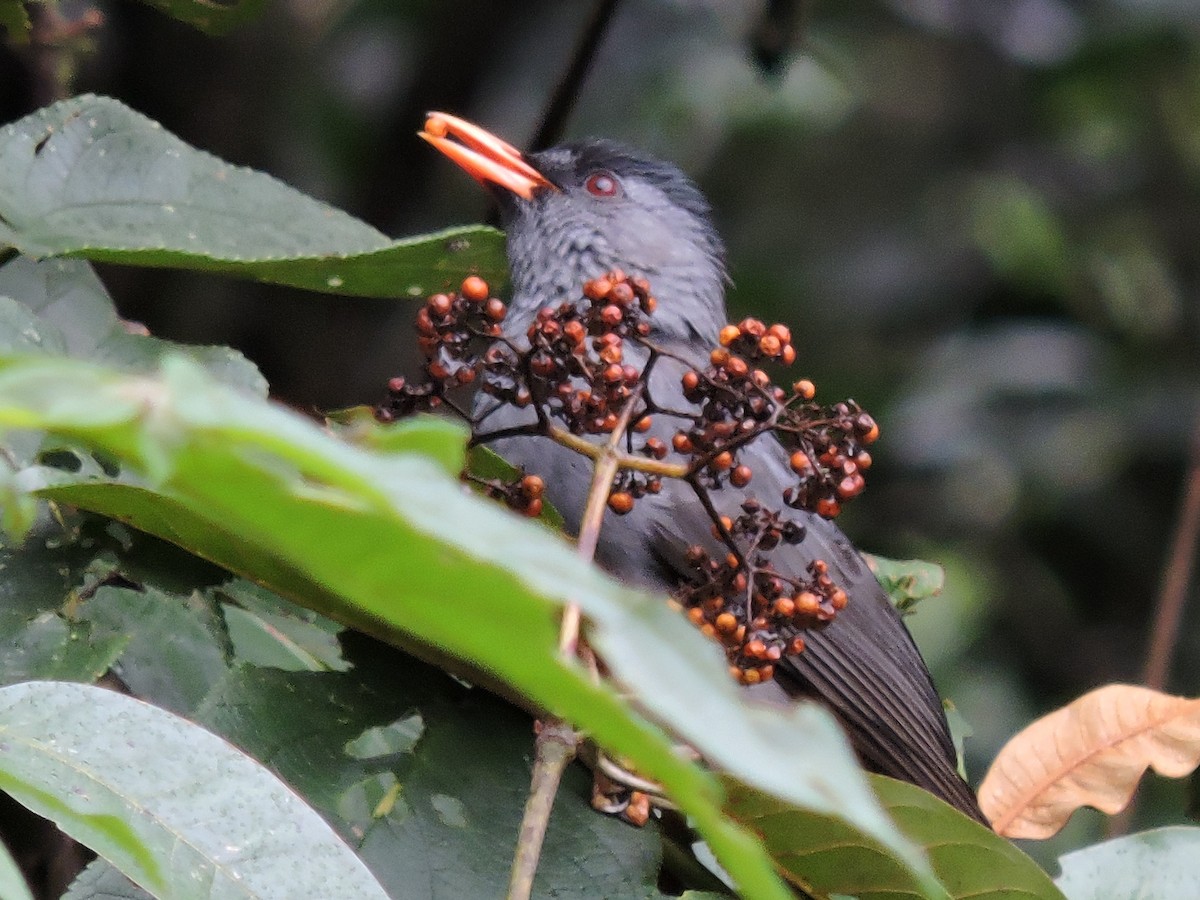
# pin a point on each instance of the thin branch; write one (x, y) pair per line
(555, 749)
(1172, 596)
(556, 741)
(566, 92)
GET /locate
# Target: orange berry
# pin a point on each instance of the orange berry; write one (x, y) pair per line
(782, 332)
(621, 502)
(800, 462)
(828, 508)
(839, 599)
(722, 461)
(533, 485)
(474, 289)
(753, 327)
(436, 127)
(495, 310)
(788, 355)
(533, 508)
(597, 288)
(726, 622)
(682, 443)
(784, 606)
(770, 345)
(691, 381)
(806, 603)
(729, 334)
(805, 388)
(740, 477)
(622, 293)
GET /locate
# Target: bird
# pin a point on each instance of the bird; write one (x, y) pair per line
(575, 211)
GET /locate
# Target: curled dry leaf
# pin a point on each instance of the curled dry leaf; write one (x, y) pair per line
(1091, 752)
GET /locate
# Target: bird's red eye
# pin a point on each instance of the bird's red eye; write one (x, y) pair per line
(602, 184)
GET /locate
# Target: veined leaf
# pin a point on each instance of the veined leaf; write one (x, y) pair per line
(90, 177)
(177, 809)
(1091, 752)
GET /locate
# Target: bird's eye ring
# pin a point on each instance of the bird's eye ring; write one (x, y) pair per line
(602, 184)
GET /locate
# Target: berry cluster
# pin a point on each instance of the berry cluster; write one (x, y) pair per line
(576, 368)
(523, 493)
(738, 402)
(829, 456)
(743, 601)
(576, 361)
(452, 331)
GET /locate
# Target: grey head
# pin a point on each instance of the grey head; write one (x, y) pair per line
(613, 207)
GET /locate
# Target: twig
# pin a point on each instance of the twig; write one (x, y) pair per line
(556, 740)
(1172, 596)
(566, 92)
(555, 749)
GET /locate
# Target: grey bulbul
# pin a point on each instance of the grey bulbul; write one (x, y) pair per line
(576, 211)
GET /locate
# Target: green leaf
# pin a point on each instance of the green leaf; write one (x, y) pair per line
(822, 855)
(39, 638)
(427, 778)
(91, 177)
(211, 16)
(433, 436)
(12, 882)
(61, 307)
(907, 581)
(970, 860)
(1158, 863)
(268, 631)
(173, 648)
(391, 544)
(101, 881)
(178, 810)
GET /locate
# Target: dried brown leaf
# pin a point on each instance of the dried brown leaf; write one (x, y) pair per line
(1091, 752)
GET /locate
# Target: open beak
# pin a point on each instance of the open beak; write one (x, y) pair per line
(482, 155)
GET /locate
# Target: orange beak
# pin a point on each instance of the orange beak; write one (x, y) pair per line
(482, 155)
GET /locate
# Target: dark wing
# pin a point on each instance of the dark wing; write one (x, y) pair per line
(864, 665)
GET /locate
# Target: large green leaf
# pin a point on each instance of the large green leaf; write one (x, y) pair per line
(1158, 863)
(91, 177)
(393, 545)
(427, 778)
(823, 856)
(59, 306)
(177, 809)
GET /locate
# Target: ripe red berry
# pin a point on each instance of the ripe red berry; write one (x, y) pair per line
(474, 289)
(740, 476)
(620, 502)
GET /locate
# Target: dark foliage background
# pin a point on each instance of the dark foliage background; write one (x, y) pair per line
(979, 217)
